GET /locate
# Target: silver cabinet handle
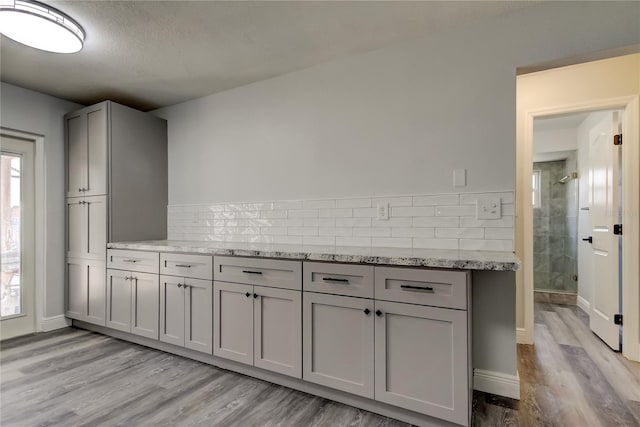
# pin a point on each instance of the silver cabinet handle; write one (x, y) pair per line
(426, 289)
(130, 260)
(183, 265)
(334, 280)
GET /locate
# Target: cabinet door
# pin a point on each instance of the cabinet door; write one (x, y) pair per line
(77, 161)
(233, 323)
(96, 142)
(77, 275)
(76, 228)
(172, 310)
(119, 300)
(277, 317)
(421, 361)
(199, 315)
(338, 342)
(96, 292)
(96, 217)
(145, 304)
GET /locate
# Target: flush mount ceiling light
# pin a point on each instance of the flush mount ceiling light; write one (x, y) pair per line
(37, 25)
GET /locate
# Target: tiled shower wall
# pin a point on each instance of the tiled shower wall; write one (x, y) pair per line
(442, 221)
(555, 227)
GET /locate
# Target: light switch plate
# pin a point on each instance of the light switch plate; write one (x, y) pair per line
(459, 177)
(489, 208)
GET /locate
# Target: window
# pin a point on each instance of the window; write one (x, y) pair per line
(535, 184)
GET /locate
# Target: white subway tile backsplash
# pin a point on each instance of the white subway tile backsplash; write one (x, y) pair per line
(456, 211)
(303, 213)
(319, 240)
(460, 233)
(486, 245)
(335, 231)
(499, 233)
(353, 222)
(336, 213)
(302, 231)
(440, 199)
(412, 211)
(372, 232)
(435, 243)
(353, 241)
(450, 222)
(319, 222)
(438, 221)
(353, 203)
(412, 232)
(390, 242)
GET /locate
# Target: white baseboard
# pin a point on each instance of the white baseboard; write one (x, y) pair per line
(584, 304)
(522, 337)
(497, 383)
(52, 323)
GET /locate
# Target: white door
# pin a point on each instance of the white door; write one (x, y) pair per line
(17, 240)
(198, 311)
(233, 322)
(603, 214)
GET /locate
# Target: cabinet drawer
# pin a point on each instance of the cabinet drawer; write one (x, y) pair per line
(184, 265)
(255, 271)
(338, 279)
(144, 262)
(440, 288)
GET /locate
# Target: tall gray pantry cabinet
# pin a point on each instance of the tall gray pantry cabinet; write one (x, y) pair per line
(116, 190)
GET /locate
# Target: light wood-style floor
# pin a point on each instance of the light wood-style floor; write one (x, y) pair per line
(73, 377)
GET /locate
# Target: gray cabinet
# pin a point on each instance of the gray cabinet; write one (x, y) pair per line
(338, 345)
(87, 227)
(421, 359)
(85, 293)
(116, 188)
(259, 326)
(86, 135)
(132, 302)
(186, 312)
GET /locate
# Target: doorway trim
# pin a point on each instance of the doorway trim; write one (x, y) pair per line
(631, 209)
(40, 220)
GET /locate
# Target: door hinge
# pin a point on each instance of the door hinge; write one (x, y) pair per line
(617, 319)
(617, 229)
(617, 139)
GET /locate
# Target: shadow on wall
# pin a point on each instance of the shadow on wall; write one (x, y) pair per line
(555, 227)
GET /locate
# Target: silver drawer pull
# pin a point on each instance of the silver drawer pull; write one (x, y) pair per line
(130, 260)
(183, 265)
(334, 280)
(252, 272)
(418, 288)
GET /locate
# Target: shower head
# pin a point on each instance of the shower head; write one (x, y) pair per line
(572, 175)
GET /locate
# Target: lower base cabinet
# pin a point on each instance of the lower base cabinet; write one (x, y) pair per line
(85, 298)
(132, 302)
(186, 312)
(338, 346)
(421, 359)
(259, 326)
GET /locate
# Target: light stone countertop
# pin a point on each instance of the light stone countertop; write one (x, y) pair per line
(436, 258)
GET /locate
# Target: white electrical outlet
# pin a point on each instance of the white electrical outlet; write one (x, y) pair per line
(382, 212)
(489, 208)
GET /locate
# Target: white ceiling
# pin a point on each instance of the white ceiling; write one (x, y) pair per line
(150, 54)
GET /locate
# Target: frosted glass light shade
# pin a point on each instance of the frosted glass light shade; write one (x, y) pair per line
(40, 26)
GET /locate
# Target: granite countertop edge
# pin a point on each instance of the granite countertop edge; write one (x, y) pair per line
(453, 259)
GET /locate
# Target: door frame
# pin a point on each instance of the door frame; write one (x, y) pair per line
(40, 221)
(630, 105)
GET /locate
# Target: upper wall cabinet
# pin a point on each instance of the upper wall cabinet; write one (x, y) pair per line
(87, 135)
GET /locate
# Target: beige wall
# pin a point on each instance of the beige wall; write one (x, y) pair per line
(560, 88)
